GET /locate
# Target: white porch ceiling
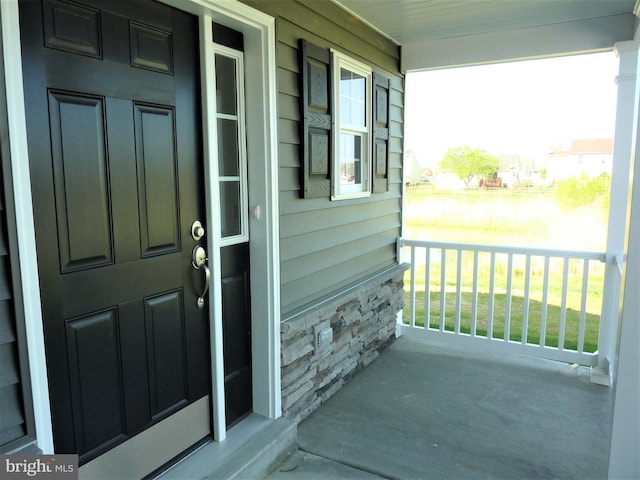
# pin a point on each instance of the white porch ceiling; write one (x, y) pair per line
(442, 33)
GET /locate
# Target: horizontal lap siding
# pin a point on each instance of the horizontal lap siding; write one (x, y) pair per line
(17, 430)
(325, 245)
(13, 422)
(315, 243)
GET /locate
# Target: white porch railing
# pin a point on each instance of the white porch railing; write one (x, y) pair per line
(541, 302)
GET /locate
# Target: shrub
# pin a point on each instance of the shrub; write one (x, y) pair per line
(584, 191)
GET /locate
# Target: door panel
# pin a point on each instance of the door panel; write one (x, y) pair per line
(150, 48)
(94, 373)
(72, 28)
(236, 324)
(166, 351)
(112, 100)
(157, 186)
(78, 148)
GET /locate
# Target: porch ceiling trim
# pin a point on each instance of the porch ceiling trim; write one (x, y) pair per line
(447, 33)
(584, 36)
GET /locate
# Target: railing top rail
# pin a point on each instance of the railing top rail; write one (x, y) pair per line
(474, 247)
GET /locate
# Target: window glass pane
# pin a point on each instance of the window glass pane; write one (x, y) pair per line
(352, 98)
(226, 85)
(230, 208)
(350, 159)
(228, 154)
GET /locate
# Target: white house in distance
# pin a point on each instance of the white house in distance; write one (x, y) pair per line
(592, 156)
(411, 168)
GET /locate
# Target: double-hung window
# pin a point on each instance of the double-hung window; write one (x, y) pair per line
(352, 82)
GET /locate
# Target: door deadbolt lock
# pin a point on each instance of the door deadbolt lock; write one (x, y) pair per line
(197, 230)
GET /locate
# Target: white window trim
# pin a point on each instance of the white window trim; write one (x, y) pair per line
(338, 191)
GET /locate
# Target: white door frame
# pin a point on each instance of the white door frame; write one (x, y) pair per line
(261, 98)
(24, 223)
(261, 127)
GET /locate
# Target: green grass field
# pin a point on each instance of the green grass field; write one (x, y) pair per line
(514, 218)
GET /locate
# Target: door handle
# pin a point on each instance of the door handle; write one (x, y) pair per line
(199, 262)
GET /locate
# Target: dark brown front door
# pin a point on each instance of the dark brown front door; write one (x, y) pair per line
(112, 103)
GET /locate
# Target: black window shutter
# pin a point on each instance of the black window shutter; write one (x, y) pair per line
(380, 134)
(316, 120)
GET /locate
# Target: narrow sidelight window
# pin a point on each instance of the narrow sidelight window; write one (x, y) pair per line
(231, 145)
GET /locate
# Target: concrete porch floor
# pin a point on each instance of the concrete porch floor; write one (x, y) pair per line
(426, 411)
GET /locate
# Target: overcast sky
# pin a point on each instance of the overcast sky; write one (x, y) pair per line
(512, 108)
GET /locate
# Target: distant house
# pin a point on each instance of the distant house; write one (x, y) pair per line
(411, 168)
(592, 157)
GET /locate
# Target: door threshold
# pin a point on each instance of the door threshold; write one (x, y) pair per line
(152, 448)
(252, 447)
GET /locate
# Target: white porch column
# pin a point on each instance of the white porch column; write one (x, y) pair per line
(624, 461)
(627, 101)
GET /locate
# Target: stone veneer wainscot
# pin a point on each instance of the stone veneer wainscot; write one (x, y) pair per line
(363, 320)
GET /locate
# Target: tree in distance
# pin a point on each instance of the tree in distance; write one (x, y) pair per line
(466, 162)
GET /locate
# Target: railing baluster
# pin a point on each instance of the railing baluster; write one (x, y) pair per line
(474, 299)
(554, 313)
(458, 292)
(545, 299)
(427, 288)
(507, 309)
(525, 310)
(443, 285)
(563, 304)
(412, 282)
(492, 284)
(583, 305)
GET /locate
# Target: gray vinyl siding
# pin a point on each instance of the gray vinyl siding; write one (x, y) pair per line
(17, 430)
(15, 420)
(12, 415)
(324, 245)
